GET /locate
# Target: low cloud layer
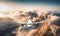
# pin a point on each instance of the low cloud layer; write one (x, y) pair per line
(7, 23)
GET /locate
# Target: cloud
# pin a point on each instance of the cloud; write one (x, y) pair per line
(7, 23)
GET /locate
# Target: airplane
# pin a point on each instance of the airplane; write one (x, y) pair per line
(29, 23)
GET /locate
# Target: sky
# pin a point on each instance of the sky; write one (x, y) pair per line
(37, 1)
(28, 5)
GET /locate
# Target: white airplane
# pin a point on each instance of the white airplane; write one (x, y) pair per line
(29, 23)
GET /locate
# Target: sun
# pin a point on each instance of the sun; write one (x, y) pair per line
(3, 7)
